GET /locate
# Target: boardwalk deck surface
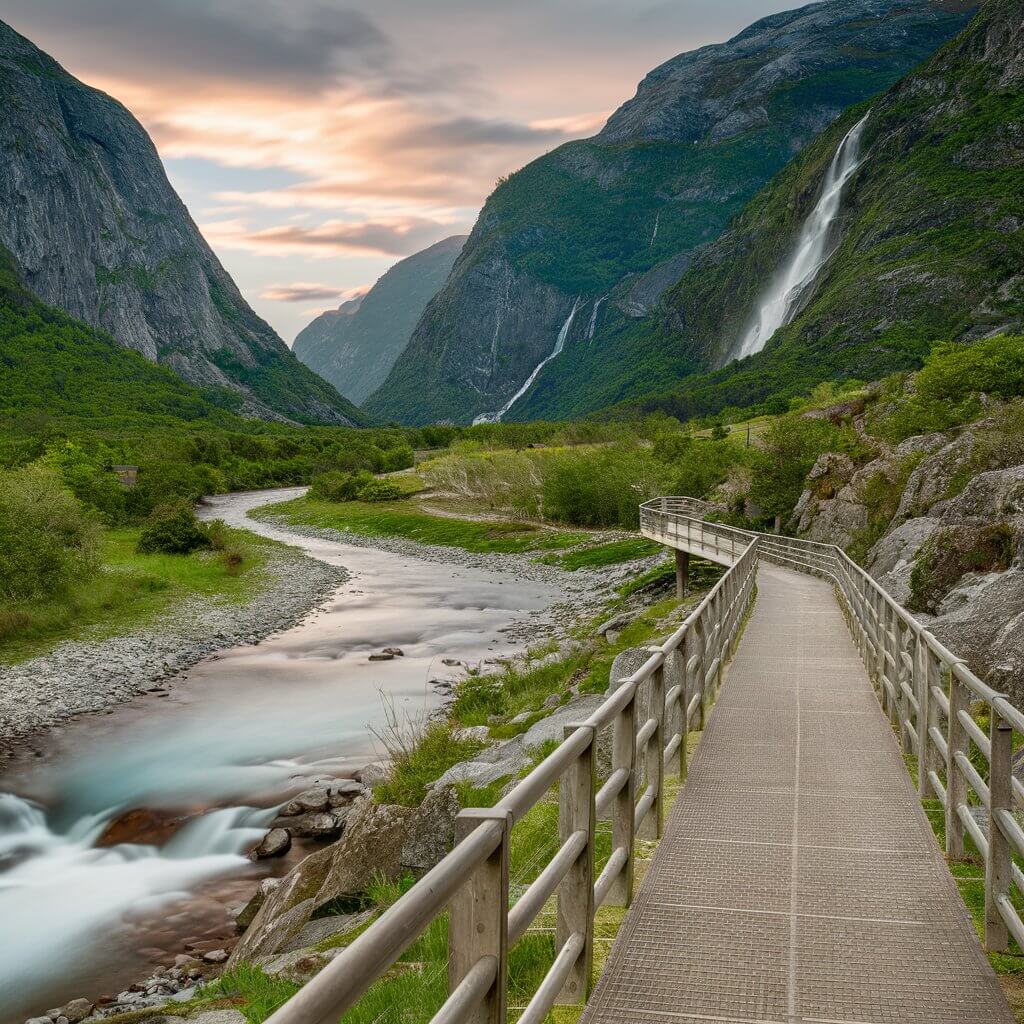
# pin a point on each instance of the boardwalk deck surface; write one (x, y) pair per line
(798, 880)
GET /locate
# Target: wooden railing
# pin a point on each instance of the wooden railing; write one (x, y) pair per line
(676, 688)
(937, 705)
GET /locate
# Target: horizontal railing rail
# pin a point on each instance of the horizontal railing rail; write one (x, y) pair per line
(672, 692)
(936, 704)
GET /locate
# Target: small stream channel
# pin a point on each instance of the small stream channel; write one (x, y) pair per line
(203, 765)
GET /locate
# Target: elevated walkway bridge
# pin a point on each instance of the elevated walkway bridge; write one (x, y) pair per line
(797, 880)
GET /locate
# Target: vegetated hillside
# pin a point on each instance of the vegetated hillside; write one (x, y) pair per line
(930, 246)
(705, 131)
(96, 229)
(355, 346)
(53, 367)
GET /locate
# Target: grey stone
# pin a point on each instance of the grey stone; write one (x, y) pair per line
(75, 1011)
(219, 1017)
(316, 798)
(616, 622)
(432, 831)
(299, 965)
(472, 734)
(321, 928)
(322, 825)
(245, 916)
(382, 656)
(275, 843)
(216, 956)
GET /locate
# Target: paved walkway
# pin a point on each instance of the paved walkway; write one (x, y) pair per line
(798, 880)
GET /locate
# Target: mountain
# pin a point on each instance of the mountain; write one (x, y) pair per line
(96, 229)
(928, 245)
(355, 346)
(53, 366)
(703, 134)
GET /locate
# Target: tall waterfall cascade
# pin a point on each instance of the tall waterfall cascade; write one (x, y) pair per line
(783, 299)
(495, 417)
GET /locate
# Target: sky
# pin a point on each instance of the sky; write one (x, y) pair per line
(316, 142)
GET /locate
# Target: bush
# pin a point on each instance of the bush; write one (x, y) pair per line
(336, 485)
(951, 554)
(380, 490)
(173, 529)
(397, 458)
(48, 540)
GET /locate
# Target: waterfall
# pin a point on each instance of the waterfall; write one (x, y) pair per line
(593, 318)
(783, 299)
(495, 417)
(654, 234)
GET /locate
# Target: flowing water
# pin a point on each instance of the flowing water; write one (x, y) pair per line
(495, 417)
(86, 910)
(785, 295)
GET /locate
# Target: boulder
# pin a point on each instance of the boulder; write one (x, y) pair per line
(216, 956)
(315, 799)
(381, 656)
(343, 791)
(432, 831)
(321, 928)
(244, 917)
(395, 652)
(374, 773)
(75, 1011)
(615, 623)
(219, 1017)
(275, 843)
(372, 844)
(891, 560)
(322, 825)
(285, 909)
(298, 966)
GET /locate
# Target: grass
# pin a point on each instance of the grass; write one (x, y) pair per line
(604, 554)
(131, 590)
(399, 519)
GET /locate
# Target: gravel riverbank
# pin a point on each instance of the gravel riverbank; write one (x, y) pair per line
(81, 676)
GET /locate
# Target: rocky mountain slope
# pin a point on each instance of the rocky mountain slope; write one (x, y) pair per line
(929, 244)
(96, 229)
(705, 131)
(355, 346)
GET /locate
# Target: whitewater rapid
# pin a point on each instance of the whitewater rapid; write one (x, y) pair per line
(784, 296)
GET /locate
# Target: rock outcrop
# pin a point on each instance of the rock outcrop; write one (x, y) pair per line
(665, 175)
(96, 229)
(355, 346)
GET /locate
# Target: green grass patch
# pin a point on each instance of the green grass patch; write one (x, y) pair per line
(605, 554)
(418, 759)
(131, 591)
(398, 519)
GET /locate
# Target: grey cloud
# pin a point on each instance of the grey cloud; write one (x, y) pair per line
(387, 239)
(300, 292)
(473, 131)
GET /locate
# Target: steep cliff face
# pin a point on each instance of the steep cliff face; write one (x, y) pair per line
(928, 246)
(96, 229)
(672, 166)
(355, 346)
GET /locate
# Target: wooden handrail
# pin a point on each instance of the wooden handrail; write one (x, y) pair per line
(923, 686)
(472, 881)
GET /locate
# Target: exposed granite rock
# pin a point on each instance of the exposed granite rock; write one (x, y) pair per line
(96, 229)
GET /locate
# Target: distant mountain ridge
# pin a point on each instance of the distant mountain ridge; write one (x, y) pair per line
(606, 224)
(354, 346)
(96, 229)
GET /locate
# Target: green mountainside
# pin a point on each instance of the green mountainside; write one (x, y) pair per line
(53, 367)
(604, 224)
(96, 229)
(930, 248)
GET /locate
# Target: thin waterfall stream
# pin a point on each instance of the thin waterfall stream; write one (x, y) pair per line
(785, 295)
(495, 417)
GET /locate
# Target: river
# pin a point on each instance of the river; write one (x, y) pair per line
(205, 764)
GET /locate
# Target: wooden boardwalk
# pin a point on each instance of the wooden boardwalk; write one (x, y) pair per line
(798, 879)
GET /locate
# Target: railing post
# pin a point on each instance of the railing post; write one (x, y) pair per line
(682, 717)
(879, 636)
(932, 759)
(891, 644)
(998, 866)
(956, 784)
(922, 687)
(624, 756)
(904, 676)
(576, 892)
(682, 574)
(478, 918)
(699, 653)
(650, 827)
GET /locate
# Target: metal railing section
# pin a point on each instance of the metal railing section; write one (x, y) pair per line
(959, 728)
(674, 689)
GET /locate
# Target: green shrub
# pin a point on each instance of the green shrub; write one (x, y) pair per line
(173, 529)
(704, 465)
(336, 485)
(397, 458)
(380, 490)
(48, 540)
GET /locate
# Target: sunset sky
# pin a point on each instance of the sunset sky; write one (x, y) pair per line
(317, 141)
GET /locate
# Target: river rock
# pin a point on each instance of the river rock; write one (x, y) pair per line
(374, 773)
(75, 1011)
(433, 830)
(322, 825)
(343, 791)
(315, 799)
(321, 928)
(298, 966)
(275, 843)
(216, 956)
(381, 656)
(615, 623)
(395, 652)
